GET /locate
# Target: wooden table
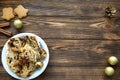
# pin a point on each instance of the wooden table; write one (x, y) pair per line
(79, 37)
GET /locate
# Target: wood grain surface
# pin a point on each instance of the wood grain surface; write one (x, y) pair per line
(80, 38)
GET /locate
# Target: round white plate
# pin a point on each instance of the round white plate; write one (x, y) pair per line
(38, 71)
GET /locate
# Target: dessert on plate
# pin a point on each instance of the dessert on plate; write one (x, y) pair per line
(25, 55)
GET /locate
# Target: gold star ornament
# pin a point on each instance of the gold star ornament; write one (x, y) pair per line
(21, 11)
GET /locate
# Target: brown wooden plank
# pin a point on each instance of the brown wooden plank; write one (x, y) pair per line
(64, 7)
(68, 73)
(70, 27)
(78, 52)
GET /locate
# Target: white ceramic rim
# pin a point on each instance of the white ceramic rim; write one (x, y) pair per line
(38, 71)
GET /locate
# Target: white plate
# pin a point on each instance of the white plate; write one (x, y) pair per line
(38, 71)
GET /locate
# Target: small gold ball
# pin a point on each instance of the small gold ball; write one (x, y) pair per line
(109, 71)
(18, 24)
(112, 60)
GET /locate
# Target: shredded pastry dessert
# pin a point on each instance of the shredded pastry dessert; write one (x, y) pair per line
(24, 55)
